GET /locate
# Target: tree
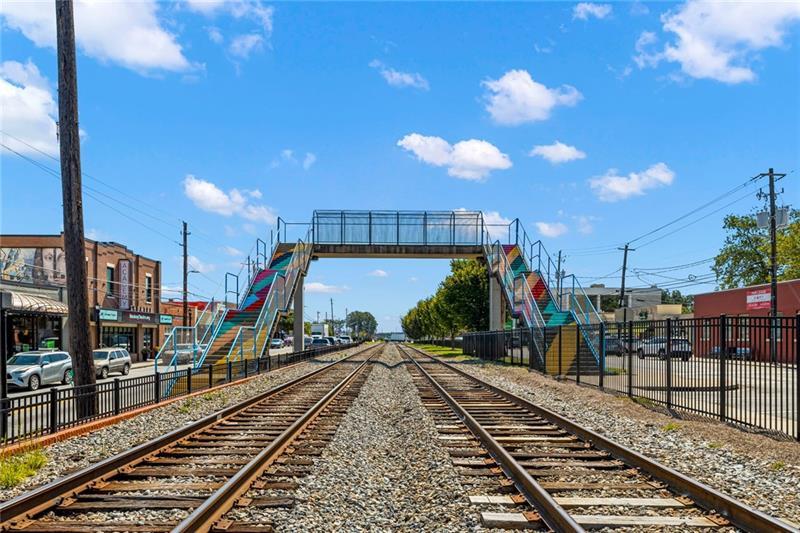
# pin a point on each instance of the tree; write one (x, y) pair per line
(461, 303)
(675, 297)
(362, 324)
(744, 257)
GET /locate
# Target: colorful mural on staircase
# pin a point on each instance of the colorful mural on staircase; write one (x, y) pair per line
(247, 314)
(567, 339)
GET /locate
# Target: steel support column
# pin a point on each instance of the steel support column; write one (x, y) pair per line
(299, 333)
(495, 304)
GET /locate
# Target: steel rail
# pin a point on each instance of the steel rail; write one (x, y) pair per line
(42, 498)
(553, 515)
(223, 499)
(739, 514)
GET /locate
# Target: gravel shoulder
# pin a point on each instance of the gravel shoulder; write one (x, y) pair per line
(78, 452)
(756, 469)
(383, 471)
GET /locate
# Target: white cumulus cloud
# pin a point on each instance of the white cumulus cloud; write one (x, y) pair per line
(397, 78)
(309, 160)
(378, 273)
(557, 152)
(585, 10)
(516, 98)
(129, 34)
(551, 229)
(472, 159)
(317, 287)
(28, 110)
(243, 45)
(718, 40)
(612, 187)
(208, 197)
(199, 265)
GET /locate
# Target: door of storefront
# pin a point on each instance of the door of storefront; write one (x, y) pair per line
(119, 336)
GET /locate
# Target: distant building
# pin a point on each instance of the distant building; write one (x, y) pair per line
(635, 299)
(124, 294)
(749, 301)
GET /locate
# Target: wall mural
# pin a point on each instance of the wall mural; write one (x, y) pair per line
(39, 266)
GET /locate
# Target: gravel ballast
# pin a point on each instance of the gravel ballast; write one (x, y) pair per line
(78, 452)
(384, 470)
(755, 469)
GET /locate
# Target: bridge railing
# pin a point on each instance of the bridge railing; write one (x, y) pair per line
(455, 228)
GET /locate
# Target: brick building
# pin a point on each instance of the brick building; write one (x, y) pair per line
(746, 313)
(124, 295)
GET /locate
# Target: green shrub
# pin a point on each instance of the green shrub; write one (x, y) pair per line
(14, 469)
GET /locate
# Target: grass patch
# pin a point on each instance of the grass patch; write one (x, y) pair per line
(777, 465)
(14, 469)
(440, 351)
(644, 402)
(671, 426)
(211, 396)
(715, 445)
(615, 371)
(186, 405)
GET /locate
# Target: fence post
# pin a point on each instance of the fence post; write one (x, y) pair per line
(210, 376)
(530, 348)
(723, 353)
(157, 388)
(630, 359)
(229, 376)
(188, 381)
(116, 396)
(245, 368)
(669, 363)
(560, 344)
(54, 409)
(797, 375)
(602, 353)
(578, 353)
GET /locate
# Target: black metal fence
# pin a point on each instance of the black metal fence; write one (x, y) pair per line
(741, 370)
(33, 415)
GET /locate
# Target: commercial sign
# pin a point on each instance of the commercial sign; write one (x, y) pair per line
(109, 314)
(165, 319)
(139, 318)
(758, 299)
(124, 284)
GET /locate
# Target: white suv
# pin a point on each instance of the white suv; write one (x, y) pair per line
(657, 346)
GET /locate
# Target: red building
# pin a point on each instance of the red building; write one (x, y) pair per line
(748, 328)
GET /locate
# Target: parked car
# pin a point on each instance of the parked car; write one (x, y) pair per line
(346, 339)
(734, 352)
(31, 370)
(107, 360)
(657, 346)
(331, 340)
(320, 341)
(276, 343)
(614, 346)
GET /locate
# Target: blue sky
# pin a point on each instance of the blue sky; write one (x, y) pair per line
(591, 123)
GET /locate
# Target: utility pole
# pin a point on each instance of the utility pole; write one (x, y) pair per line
(622, 285)
(317, 317)
(773, 259)
(72, 199)
(346, 313)
(333, 324)
(186, 275)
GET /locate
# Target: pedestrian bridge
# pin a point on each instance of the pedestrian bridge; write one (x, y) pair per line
(523, 280)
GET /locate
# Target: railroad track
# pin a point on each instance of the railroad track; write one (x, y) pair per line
(190, 478)
(549, 472)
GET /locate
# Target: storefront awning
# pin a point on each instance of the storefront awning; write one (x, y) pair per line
(33, 304)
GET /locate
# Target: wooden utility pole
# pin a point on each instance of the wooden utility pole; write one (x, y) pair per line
(622, 285)
(186, 275)
(72, 199)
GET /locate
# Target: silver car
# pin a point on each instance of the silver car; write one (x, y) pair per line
(107, 360)
(31, 370)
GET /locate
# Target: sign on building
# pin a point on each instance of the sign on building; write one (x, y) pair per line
(758, 299)
(124, 284)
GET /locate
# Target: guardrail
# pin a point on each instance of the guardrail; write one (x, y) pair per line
(42, 413)
(742, 370)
